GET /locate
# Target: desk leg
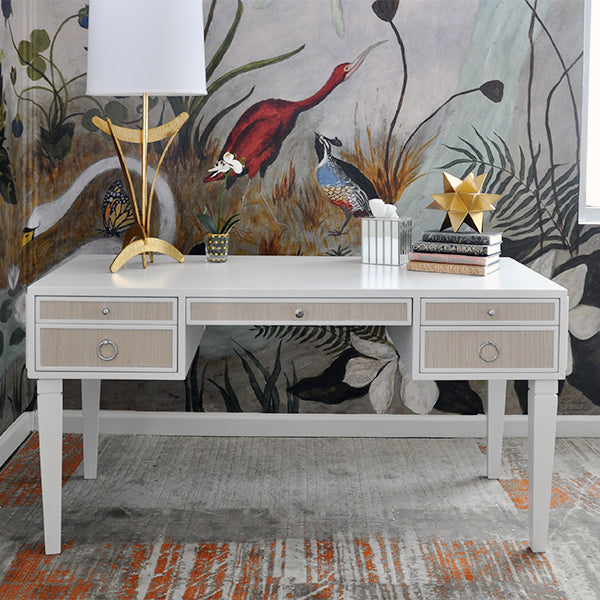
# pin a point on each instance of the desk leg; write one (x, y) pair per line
(542, 405)
(90, 404)
(50, 433)
(496, 402)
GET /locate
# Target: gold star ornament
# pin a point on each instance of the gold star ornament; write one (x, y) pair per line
(463, 201)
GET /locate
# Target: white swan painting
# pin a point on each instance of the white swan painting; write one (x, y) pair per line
(45, 216)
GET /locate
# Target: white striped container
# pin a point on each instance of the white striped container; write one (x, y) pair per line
(386, 241)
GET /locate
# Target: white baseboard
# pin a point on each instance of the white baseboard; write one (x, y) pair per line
(15, 435)
(310, 425)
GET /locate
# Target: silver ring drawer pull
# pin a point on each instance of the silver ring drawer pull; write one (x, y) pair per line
(106, 311)
(299, 313)
(103, 343)
(489, 359)
(491, 312)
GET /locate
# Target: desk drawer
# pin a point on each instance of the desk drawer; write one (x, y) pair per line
(472, 349)
(106, 349)
(442, 311)
(256, 311)
(106, 309)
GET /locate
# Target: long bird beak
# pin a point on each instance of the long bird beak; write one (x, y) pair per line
(350, 68)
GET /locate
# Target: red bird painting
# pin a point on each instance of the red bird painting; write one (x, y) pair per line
(260, 131)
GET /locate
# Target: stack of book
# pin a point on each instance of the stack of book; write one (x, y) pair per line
(464, 253)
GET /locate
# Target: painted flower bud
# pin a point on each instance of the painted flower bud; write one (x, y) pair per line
(493, 90)
(6, 8)
(83, 17)
(385, 9)
(17, 126)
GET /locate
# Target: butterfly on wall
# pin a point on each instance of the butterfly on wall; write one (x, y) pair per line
(117, 214)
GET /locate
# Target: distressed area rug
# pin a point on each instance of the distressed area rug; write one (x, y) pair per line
(278, 518)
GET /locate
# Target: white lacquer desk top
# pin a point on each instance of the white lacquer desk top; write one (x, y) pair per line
(84, 322)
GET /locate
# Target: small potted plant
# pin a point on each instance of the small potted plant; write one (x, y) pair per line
(217, 238)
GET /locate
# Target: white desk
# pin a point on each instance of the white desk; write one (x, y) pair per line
(84, 322)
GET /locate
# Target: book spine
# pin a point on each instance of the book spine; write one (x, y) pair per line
(433, 267)
(453, 237)
(462, 259)
(446, 248)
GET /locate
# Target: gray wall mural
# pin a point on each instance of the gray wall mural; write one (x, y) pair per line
(409, 89)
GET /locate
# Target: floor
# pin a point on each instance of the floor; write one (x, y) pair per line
(304, 518)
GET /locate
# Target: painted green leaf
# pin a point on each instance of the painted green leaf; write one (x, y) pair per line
(86, 119)
(252, 379)
(57, 141)
(337, 17)
(200, 101)
(116, 112)
(26, 52)
(251, 66)
(40, 40)
(36, 69)
(7, 189)
(220, 53)
(228, 394)
(7, 185)
(271, 394)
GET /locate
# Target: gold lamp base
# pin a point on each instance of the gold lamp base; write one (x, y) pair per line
(137, 240)
(145, 247)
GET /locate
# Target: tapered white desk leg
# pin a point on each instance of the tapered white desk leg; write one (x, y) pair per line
(90, 404)
(50, 432)
(496, 402)
(542, 406)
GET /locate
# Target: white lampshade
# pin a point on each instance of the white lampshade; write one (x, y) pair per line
(146, 46)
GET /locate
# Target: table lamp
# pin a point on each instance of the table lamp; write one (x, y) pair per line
(141, 48)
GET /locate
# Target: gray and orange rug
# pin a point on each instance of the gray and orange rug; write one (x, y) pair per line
(278, 518)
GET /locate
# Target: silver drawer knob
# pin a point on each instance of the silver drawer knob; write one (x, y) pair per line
(491, 312)
(106, 311)
(107, 357)
(489, 352)
(299, 313)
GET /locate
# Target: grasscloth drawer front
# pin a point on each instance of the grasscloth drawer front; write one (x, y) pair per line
(107, 309)
(489, 311)
(106, 349)
(472, 349)
(257, 311)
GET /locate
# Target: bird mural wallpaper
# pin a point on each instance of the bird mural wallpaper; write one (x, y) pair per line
(326, 106)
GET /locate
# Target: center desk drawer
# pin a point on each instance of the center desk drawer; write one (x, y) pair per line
(50, 308)
(264, 311)
(106, 349)
(445, 350)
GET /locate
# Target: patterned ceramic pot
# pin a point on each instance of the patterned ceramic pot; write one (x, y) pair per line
(217, 247)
